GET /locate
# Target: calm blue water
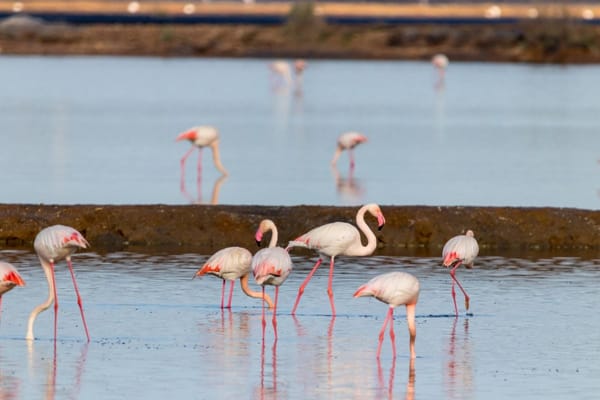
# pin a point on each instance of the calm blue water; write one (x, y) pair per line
(157, 334)
(102, 129)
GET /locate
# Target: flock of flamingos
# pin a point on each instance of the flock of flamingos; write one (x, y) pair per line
(271, 265)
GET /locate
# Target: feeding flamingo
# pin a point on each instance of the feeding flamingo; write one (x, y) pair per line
(200, 137)
(229, 264)
(461, 249)
(338, 238)
(282, 71)
(53, 244)
(395, 289)
(271, 266)
(9, 278)
(348, 141)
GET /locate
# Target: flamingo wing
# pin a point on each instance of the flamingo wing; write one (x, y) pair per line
(229, 263)
(58, 241)
(271, 266)
(330, 239)
(461, 247)
(393, 288)
(9, 277)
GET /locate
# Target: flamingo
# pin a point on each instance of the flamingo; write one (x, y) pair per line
(53, 244)
(229, 264)
(200, 137)
(282, 71)
(348, 141)
(394, 289)
(270, 266)
(9, 278)
(338, 238)
(440, 62)
(461, 249)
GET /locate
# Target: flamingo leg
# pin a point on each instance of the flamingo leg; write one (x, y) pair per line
(301, 289)
(351, 154)
(382, 332)
(330, 288)
(182, 162)
(393, 337)
(453, 275)
(275, 311)
(230, 294)
(79, 302)
(264, 322)
(199, 175)
(454, 299)
(55, 299)
(223, 295)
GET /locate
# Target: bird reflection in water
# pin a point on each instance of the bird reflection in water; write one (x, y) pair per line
(52, 370)
(198, 199)
(459, 374)
(410, 384)
(9, 385)
(348, 188)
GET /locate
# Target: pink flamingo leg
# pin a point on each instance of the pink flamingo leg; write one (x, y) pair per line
(223, 295)
(454, 299)
(0, 306)
(382, 332)
(452, 274)
(230, 293)
(330, 288)
(393, 336)
(275, 311)
(55, 299)
(199, 175)
(79, 302)
(301, 290)
(351, 153)
(264, 321)
(182, 162)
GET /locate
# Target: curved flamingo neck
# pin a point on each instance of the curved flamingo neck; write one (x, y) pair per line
(274, 234)
(217, 157)
(257, 295)
(358, 249)
(48, 270)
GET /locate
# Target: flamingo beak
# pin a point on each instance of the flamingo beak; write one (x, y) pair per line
(188, 135)
(380, 221)
(258, 237)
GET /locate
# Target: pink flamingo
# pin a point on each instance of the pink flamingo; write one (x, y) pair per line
(54, 244)
(461, 249)
(348, 141)
(440, 62)
(271, 266)
(338, 238)
(229, 264)
(200, 137)
(9, 278)
(394, 288)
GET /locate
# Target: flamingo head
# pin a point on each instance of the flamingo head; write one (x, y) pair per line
(13, 278)
(75, 239)
(375, 211)
(360, 139)
(264, 226)
(451, 258)
(187, 135)
(258, 237)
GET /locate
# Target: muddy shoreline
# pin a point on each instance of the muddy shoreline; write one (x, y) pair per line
(204, 229)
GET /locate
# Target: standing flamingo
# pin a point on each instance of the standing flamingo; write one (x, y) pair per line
(200, 137)
(229, 264)
(338, 238)
(461, 249)
(281, 71)
(348, 141)
(53, 244)
(440, 62)
(394, 288)
(271, 266)
(9, 278)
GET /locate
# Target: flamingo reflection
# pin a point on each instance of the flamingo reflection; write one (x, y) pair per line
(459, 376)
(348, 188)
(282, 76)
(214, 198)
(410, 383)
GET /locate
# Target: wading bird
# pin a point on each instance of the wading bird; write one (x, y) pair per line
(200, 137)
(394, 289)
(461, 249)
(440, 62)
(9, 278)
(52, 245)
(270, 266)
(229, 264)
(348, 141)
(338, 238)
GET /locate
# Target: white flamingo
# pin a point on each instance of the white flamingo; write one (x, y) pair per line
(461, 249)
(348, 141)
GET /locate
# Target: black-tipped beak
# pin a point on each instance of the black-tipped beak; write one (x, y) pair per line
(380, 227)
(258, 243)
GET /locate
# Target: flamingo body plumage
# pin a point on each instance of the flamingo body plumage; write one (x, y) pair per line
(53, 244)
(394, 289)
(9, 279)
(338, 238)
(200, 137)
(230, 264)
(347, 142)
(460, 250)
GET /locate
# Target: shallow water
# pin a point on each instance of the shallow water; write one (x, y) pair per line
(156, 333)
(102, 129)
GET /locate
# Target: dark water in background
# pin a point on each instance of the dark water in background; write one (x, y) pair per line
(156, 333)
(102, 129)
